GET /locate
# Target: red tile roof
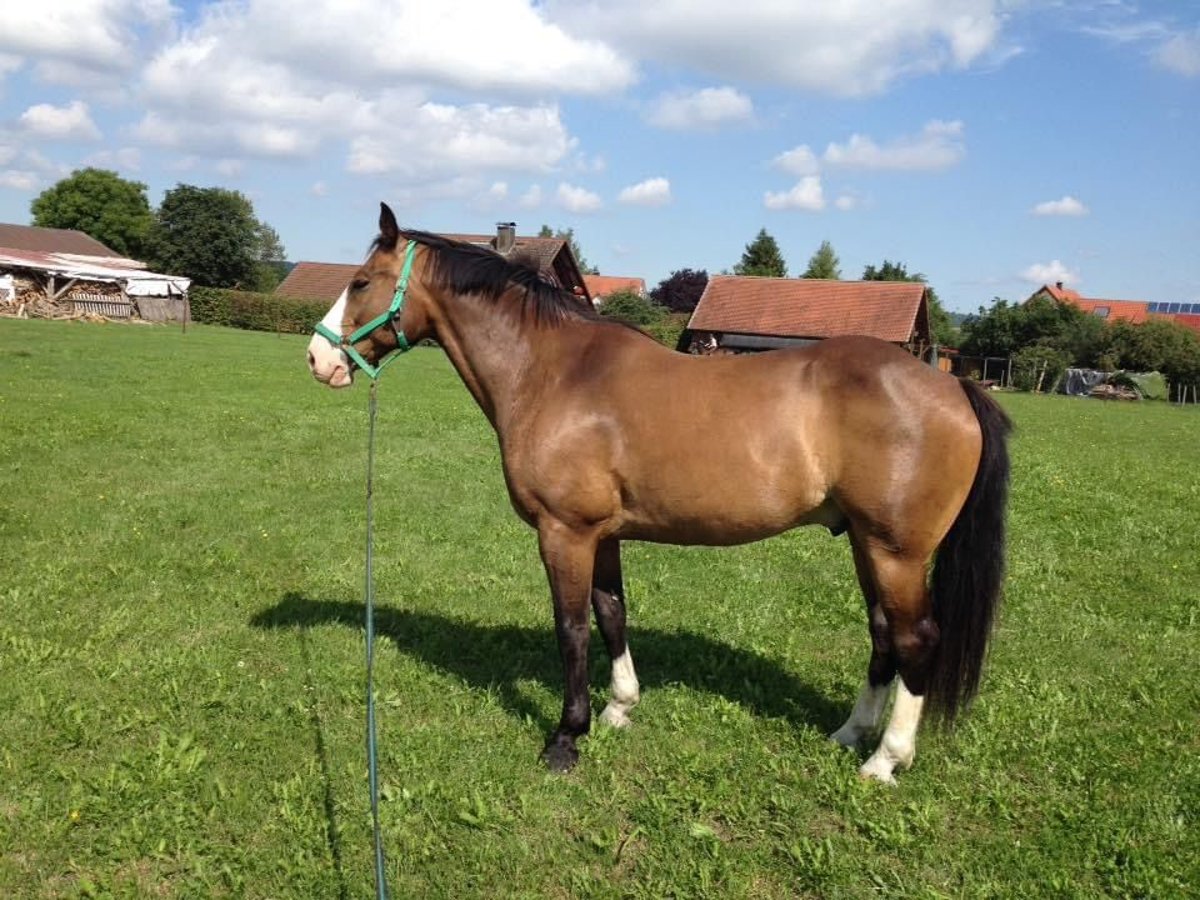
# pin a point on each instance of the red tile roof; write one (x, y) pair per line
(1058, 292)
(316, 280)
(52, 240)
(602, 285)
(1134, 311)
(809, 308)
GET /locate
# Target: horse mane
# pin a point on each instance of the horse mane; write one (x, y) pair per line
(464, 268)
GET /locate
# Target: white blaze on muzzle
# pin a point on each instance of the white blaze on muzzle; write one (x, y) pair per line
(327, 362)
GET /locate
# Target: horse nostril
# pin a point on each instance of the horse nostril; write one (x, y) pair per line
(312, 360)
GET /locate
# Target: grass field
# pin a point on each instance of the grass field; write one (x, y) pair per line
(181, 710)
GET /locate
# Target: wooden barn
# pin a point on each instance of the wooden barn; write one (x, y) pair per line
(745, 313)
(56, 272)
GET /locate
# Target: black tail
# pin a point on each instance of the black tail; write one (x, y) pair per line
(969, 570)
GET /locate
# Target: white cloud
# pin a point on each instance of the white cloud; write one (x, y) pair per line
(128, 159)
(319, 189)
(1050, 273)
(806, 194)
(577, 200)
(18, 180)
(531, 198)
(939, 145)
(83, 41)
(1067, 206)
(434, 137)
(846, 48)
(798, 161)
(703, 109)
(72, 122)
(846, 202)
(230, 168)
(651, 192)
(1181, 53)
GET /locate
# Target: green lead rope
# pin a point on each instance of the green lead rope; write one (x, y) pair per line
(372, 750)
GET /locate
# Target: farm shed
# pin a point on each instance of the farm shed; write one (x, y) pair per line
(747, 313)
(54, 272)
(552, 256)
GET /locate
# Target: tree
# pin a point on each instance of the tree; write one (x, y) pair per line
(680, 291)
(941, 327)
(568, 235)
(272, 266)
(101, 204)
(211, 235)
(629, 306)
(762, 257)
(1007, 328)
(823, 263)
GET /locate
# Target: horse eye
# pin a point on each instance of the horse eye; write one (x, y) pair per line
(359, 284)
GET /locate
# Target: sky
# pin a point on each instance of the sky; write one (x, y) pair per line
(992, 145)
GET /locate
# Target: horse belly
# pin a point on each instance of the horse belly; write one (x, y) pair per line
(683, 507)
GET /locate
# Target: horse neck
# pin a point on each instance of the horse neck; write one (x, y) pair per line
(493, 350)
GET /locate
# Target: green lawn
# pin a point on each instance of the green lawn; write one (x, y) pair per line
(181, 710)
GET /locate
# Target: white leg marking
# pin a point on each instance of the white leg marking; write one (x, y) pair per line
(625, 692)
(865, 716)
(899, 743)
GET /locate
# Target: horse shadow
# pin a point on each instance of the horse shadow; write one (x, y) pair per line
(500, 657)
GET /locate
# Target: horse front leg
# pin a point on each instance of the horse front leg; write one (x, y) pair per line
(569, 559)
(608, 602)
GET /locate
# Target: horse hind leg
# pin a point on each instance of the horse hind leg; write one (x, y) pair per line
(905, 603)
(608, 603)
(868, 709)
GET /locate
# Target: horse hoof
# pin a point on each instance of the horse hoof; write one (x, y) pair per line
(560, 758)
(615, 718)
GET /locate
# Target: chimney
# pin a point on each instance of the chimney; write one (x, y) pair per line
(506, 236)
(1058, 284)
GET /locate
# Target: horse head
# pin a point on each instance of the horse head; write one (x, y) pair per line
(383, 309)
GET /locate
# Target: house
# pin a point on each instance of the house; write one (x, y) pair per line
(600, 286)
(552, 256)
(742, 313)
(56, 271)
(1133, 311)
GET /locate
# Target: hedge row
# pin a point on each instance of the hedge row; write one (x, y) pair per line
(255, 312)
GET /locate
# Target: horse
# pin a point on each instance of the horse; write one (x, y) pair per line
(607, 436)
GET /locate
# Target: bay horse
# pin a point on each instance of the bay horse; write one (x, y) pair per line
(606, 435)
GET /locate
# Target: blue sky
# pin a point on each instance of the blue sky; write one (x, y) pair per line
(991, 144)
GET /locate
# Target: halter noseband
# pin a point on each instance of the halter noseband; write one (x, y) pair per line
(346, 342)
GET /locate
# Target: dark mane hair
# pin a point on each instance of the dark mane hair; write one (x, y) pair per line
(463, 268)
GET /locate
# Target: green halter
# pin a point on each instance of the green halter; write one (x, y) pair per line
(346, 342)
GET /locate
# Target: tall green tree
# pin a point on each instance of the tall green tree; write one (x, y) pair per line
(272, 260)
(568, 235)
(100, 203)
(762, 257)
(823, 263)
(940, 326)
(212, 236)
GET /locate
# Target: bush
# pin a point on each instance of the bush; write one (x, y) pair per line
(255, 312)
(1039, 362)
(633, 308)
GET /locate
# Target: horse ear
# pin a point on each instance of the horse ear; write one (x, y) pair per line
(389, 231)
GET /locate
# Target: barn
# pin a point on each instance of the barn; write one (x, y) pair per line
(748, 313)
(61, 272)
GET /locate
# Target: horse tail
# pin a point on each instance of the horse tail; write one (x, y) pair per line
(969, 570)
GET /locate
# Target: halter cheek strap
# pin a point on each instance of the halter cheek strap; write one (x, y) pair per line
(391, 317)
